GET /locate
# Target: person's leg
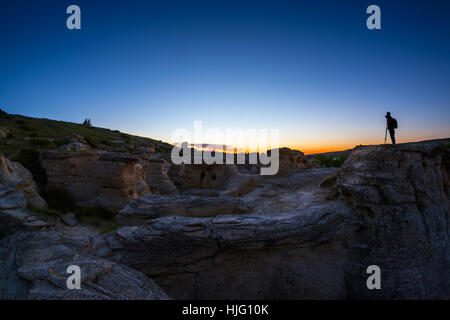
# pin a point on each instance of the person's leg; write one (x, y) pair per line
(392, 133)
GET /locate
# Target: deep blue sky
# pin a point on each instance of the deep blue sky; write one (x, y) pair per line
(309, 68)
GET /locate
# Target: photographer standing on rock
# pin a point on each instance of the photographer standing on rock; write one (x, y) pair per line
(391, 125)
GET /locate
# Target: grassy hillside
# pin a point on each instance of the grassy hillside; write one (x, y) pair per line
(19, 132)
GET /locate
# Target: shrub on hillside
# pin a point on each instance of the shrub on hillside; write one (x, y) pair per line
(87, 122)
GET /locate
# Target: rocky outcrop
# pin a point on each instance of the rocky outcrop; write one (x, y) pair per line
(402, 195)
(14, 214)
(33, 265)
(392, 212)
(106, 180)
(13, 174)
(311, 234)
(155, 206)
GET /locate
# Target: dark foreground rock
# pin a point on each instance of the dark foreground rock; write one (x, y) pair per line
(33, 266)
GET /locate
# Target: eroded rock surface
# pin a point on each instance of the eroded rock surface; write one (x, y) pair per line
(155, 206)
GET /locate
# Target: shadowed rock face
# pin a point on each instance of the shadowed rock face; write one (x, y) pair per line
(33, 266)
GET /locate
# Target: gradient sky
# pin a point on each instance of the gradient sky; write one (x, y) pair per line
(308, 68)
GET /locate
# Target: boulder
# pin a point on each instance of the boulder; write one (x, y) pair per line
(75, 147)
(33, 265)
(13, 174)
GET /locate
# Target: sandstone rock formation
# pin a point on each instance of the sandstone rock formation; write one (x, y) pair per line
(14, 175)
(393, 212)
(106, 180)
(33, 266)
